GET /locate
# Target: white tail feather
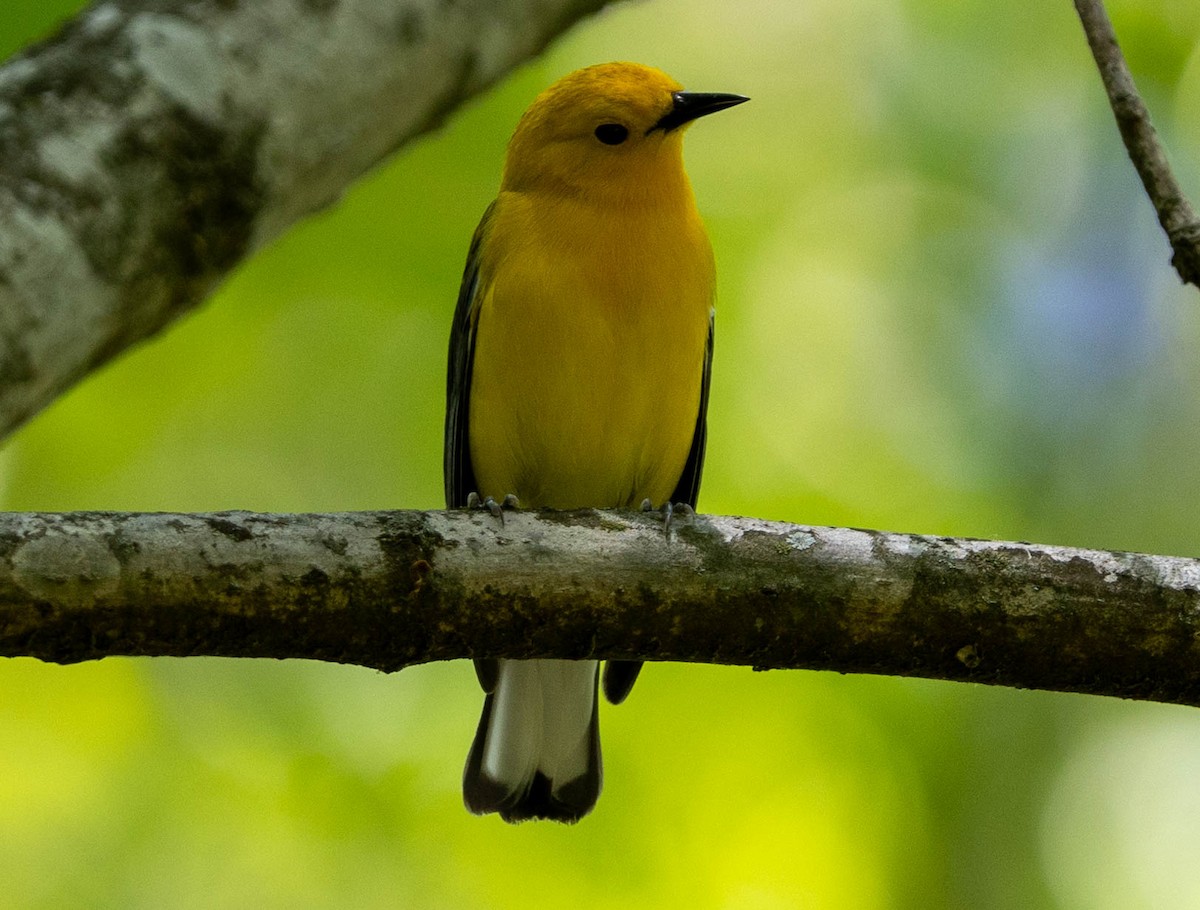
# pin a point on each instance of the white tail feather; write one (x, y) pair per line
(540, 722)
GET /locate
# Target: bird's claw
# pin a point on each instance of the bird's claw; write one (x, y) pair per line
(669, 510)
(496, 509)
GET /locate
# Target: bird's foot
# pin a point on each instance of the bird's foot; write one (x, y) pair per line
(510, 502)
(670, 511)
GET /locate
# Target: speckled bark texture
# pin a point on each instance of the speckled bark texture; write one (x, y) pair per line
(391, 589)
(152, 144)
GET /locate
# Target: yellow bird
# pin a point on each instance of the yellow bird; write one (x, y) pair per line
(578, 378)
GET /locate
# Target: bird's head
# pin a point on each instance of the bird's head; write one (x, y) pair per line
(614, 129)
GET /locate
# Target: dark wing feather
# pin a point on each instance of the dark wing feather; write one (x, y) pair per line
(620, 675)
(456, 464)
(688, 488)
(487, 671)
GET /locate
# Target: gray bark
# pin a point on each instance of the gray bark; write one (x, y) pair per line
(392, 589)
(153, 144)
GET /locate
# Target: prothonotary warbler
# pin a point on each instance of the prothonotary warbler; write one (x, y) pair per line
(579, 371)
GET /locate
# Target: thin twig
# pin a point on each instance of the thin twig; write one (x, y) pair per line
(1175, 213)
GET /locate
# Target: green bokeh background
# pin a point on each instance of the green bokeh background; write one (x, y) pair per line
(945, 307)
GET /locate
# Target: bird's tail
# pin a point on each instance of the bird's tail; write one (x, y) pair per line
(536, 752)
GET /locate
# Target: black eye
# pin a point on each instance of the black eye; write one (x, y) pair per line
(611, 133)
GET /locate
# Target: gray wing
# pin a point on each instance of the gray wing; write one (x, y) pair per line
(458, 474)
(687, 490)
(456, 462)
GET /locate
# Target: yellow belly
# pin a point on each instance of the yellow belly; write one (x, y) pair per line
(588, 359)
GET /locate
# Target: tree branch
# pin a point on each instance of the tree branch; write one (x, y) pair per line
(153, 144)
(1175, 212)
(392, 589)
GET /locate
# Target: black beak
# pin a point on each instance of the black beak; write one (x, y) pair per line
(690, 105)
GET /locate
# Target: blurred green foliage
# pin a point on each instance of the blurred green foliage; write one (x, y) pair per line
(945, 307)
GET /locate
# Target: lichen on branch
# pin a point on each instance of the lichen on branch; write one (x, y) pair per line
(393, 589)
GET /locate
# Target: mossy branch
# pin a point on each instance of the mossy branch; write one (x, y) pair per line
(393, 589)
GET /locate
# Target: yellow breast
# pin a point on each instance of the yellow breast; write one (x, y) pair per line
(589, 351)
